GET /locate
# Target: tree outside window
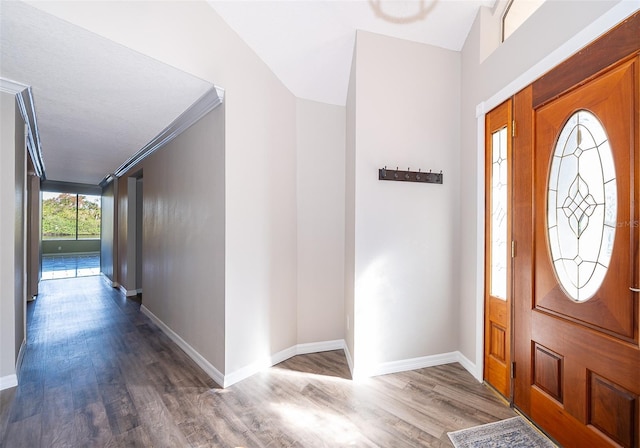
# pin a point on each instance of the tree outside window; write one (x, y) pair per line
(68, 216)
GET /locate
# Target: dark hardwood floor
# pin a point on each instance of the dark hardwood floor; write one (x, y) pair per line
(97, 372)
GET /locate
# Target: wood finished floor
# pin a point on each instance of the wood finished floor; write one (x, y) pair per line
(97, 372)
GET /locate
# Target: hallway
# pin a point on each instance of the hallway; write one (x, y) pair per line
(97, 372)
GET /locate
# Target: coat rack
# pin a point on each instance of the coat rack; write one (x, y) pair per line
(409, 176)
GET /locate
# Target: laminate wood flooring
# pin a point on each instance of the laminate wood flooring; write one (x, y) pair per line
(97, 372)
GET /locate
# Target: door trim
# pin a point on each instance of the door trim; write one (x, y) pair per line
(606, 22)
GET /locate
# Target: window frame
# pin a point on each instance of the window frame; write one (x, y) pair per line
(506, 12)
(77, 210)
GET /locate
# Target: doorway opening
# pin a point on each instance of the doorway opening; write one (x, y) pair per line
(134, 234)
(70, 235)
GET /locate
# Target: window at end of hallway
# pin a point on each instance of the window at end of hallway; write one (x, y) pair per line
(68, 216)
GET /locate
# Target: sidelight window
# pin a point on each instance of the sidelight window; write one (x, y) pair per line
(499, 207)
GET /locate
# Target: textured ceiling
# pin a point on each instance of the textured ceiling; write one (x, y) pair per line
(309, 44)
(97, 102)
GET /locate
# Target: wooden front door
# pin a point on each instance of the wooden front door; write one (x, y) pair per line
(577, 267)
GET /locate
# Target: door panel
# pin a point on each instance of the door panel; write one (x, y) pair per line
(611, 310)
(578, 356)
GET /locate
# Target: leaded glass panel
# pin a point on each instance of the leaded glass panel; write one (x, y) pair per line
(581, 206)
(499, 207)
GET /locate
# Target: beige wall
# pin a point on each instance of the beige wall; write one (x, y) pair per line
(12, 237)
(20, 237)
(407, 107)
(183, 246)
(7, 232)
(121, 231)
(183, 236)
(107, 228)
(33, 231)
(320, 131)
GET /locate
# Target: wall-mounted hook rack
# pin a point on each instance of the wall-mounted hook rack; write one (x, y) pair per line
(410, 176)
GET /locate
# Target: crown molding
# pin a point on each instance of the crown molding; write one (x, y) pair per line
(28, 112)
(12, 87)
(24, 98)
(211, 99)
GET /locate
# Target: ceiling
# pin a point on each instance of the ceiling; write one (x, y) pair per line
(98, 102)
(309, 44)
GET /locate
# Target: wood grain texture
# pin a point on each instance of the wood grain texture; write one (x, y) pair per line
(601, 335)
(617, 44)
(619, 424)
(547, 371)
(98, 373)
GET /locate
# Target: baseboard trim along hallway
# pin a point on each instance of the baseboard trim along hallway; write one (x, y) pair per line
(8, 381)
(205, 365)
(303, 349)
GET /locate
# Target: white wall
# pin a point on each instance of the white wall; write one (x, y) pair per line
(407, 110)
(350, 212)
(555, 31)
(320, 135)
(12, 238)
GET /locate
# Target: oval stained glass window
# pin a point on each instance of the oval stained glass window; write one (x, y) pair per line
(581, 206)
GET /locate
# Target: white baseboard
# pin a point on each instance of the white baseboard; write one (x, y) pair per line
(303, 349)
(317, 347)
(8, 381)
(108, 281)
(425, 361)
(347, 354)
(23, 348)
(256, 367)
(404, 365)
(263, 364)
(474, 369)
(128, 293)
(205, 365)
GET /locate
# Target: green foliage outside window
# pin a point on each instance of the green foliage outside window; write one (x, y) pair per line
(70, 216)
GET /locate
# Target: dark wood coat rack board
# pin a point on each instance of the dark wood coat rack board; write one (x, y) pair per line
(409, 176)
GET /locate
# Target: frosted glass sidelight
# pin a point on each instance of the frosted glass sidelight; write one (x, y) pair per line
(499, 207)
(581, 206)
